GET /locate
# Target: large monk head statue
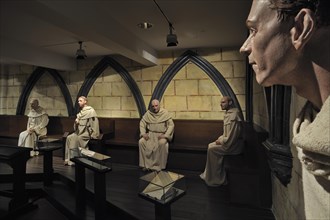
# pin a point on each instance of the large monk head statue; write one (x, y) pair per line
(155, 106)
(82, 101)
(226, 103)
(280, 32)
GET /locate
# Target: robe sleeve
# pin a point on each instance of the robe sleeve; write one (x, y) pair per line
(42, 124)
(232, 130)
(28, 123)
(170, 129)
(75, 126)
(94, 128)
(143, 127)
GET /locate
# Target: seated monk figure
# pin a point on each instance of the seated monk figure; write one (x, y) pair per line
(156, 130)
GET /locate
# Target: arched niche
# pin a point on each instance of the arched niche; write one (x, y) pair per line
(31, 82)
(97, 71)
(208, 68)
(278, 144)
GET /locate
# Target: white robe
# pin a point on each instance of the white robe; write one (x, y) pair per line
(231, 144)
(38, 120)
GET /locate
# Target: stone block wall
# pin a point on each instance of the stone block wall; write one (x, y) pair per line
(190, 95)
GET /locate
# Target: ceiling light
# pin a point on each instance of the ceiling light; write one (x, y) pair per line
(171, 38)
(80, 54)
(145, 25)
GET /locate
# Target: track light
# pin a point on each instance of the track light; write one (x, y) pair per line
(80, 54)
(171, 38)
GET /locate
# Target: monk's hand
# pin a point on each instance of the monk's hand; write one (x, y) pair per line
(76, 121)
(218, 142)
(162, 136)
(146, 137)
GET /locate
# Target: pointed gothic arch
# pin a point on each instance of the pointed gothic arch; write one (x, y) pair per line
(208, 68)
(97, 71)
(31, 82)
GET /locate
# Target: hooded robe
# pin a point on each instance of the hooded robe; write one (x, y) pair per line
(153, 153)
(38, 120)
(231, 143)
(86, 128)
(311, 134)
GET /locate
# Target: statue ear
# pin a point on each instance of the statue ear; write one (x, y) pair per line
(303, 28)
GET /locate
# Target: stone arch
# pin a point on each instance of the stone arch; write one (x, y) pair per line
(209, 69)
(97, 71)
(33, 79)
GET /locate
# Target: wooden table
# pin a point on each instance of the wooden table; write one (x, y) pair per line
(16, 157)
(47, 146)
(99, 183)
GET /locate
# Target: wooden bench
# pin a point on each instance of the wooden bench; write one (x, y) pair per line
(190, 141)
(126, 132)
(188, 147)
(188, 134)
(58, 127)
(11, 126)
(195, 135)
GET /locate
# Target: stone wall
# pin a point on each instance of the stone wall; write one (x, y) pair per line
(190, 95)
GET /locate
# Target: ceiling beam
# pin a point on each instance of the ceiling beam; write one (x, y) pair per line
(91, 25)
(13, 51)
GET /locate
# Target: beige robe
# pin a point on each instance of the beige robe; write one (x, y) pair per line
(311, 132)
(153, 153)
(38, 120)
(231, 144)
(87, 128)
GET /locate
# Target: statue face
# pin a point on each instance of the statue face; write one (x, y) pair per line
(82, 102)
(225, 105)
(155, 106)
(34, 104)
(269, 47)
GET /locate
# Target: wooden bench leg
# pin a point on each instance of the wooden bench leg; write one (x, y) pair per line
(100, 195)
(162, 212)
(80, 187)
(20, 197)
(48, 168)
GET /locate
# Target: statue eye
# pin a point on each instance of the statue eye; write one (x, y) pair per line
(253, 31)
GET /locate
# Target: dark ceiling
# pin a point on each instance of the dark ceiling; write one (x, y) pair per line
(46, 33)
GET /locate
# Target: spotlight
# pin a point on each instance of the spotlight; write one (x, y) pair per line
(171, 38)
(81, 54)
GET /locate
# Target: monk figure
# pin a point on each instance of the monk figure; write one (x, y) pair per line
(86, 127)
(36, 127)
(156, 131)
(229, 143)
